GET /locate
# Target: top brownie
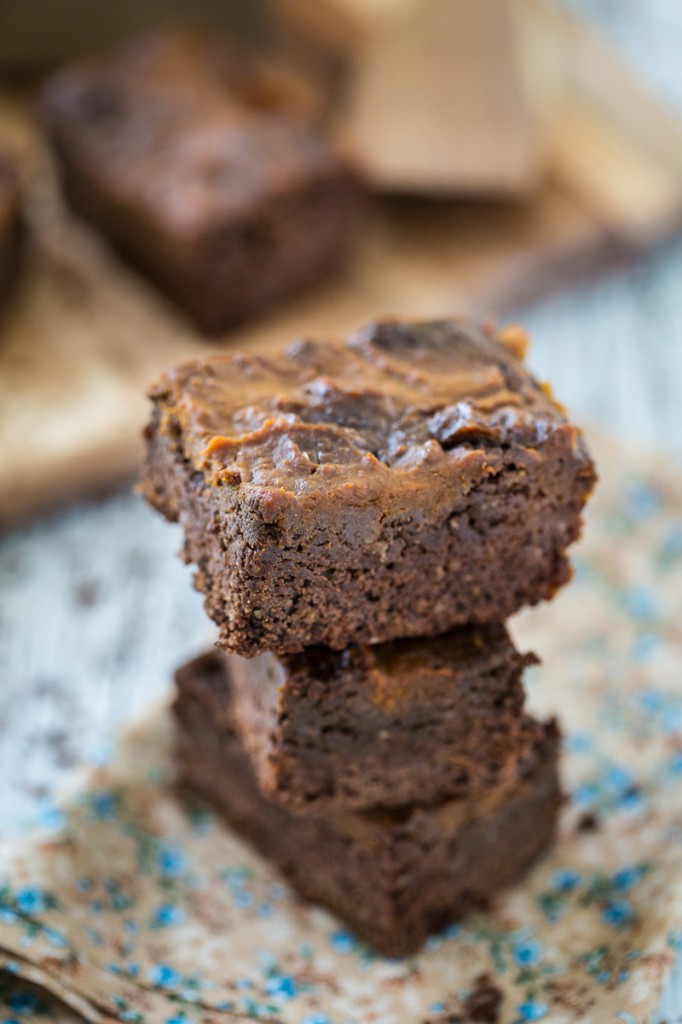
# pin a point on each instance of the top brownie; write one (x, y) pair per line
(201, 171)
(409, 479)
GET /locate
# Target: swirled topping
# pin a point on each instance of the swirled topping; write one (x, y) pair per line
(395, 397)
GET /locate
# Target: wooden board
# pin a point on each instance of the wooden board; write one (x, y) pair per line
(429, 98)
(85, 335)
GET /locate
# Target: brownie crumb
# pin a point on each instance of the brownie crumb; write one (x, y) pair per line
(484, 1002)
(58, 743)
(86, 593)
(588, 822)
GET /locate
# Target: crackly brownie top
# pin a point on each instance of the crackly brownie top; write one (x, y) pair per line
(177, 116)
(397, 398)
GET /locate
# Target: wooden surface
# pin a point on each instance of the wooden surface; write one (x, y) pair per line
(85, 335)
(431, 98)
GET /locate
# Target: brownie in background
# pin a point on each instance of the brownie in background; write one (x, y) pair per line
(407, 480)
(202, 173)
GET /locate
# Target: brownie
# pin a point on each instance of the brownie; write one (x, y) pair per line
(413, 721)
(10, 226)
(393, 875)
(407, 480)
(215, 188)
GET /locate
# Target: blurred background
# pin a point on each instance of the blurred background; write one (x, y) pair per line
(563, 212)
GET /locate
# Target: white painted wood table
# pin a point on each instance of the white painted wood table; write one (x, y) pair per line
(95, 610)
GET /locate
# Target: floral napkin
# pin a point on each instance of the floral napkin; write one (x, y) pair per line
(134, 907)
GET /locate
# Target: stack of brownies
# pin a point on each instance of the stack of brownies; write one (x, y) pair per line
(364, 515)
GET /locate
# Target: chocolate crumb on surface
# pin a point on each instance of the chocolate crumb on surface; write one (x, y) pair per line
(484, 1001)
(588, 822)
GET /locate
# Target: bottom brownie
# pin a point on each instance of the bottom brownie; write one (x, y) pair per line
(395, 876)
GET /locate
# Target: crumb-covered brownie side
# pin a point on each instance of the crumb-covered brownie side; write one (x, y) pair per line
(414, 721)
(228, 203)
(411, 479)
(10, 225)
(394, 876)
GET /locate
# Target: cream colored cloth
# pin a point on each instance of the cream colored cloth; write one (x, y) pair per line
(133, 907)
